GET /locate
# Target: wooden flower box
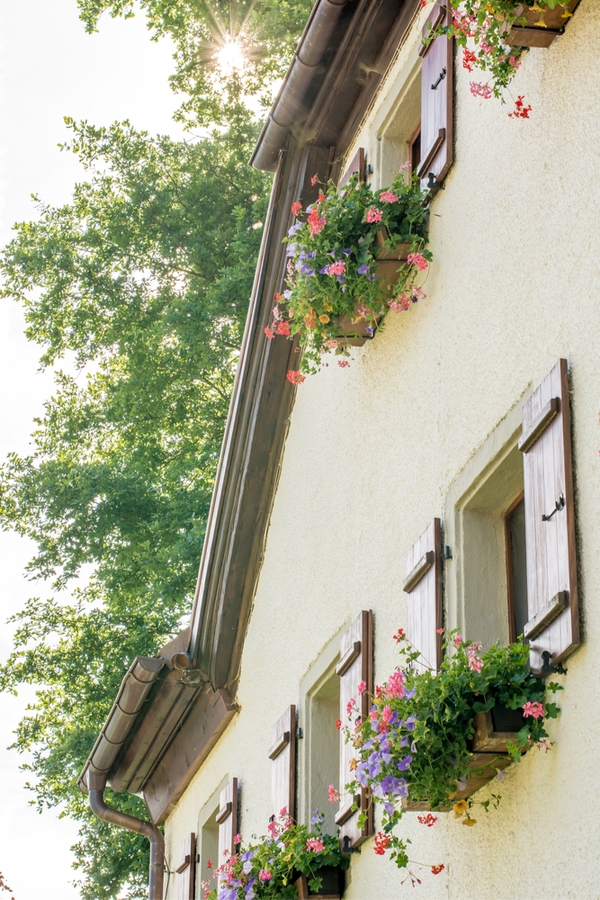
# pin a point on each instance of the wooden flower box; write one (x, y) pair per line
(332, 884)
(355, 334)
(493, 731)
(532, 34)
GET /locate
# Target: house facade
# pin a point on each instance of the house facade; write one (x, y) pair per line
(389, 493)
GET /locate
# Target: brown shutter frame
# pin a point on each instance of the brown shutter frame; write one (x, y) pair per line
(356, 165)
(227, 819)
(423, 586)
(186, 869)
(355, 665)
(552, 599)
(283, 769)
(437, 94)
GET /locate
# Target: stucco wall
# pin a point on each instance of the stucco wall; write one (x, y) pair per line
(373, 450)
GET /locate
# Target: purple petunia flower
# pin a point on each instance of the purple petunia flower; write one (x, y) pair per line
(287, 294)
(362, 270)
(370, 331)
(347, 252)
(410, 723)
(324, 270)
(371, 277)
(405, 763)
(291, 249)
(307, 270)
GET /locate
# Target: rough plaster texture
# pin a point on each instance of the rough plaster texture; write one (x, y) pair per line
(374, 450)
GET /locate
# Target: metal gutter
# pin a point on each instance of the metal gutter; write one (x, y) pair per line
(307, 59)
(133, 691)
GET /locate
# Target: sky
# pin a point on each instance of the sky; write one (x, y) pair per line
(50, 68)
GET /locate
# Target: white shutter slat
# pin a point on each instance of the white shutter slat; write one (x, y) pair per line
(423, 586)
(552, 598)
(283, 769)
(437, 85)
(356, 665)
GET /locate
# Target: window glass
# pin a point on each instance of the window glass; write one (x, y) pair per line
(517, 586)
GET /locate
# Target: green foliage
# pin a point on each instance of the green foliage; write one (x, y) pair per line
(416, 742)
(138, 289)
(333, 258)
(268, 866)
(265, 30)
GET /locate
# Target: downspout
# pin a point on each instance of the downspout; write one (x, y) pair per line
(96, 785)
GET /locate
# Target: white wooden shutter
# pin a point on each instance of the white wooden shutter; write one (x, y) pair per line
(355, 665)
(552, 601)
(355, 166)
(283, 769)
(227, 819)
(186, 869)
(423, 585)
(437, 81)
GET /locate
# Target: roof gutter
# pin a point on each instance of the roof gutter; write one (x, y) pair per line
(307, 58)
(134, 689)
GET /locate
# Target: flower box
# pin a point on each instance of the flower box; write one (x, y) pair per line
(493, 731)
(531, 34)
(352, 333)
(332, 884)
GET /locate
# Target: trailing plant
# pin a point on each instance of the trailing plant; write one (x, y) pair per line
(416, 742)
(332, 265)
(268, 866)
(481, 28)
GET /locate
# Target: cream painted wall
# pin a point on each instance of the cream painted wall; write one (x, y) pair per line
(373, 450)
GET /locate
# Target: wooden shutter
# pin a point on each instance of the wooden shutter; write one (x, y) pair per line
(552, 602)
(283, 770)
(356, 165)
(186, 869)
(227, 819)
(423, 584)
(355, 665)
(437, 78)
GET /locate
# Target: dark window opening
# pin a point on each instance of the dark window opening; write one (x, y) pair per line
(415, 150)
(516, 564)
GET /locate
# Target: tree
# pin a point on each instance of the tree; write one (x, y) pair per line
(263, 32)
(136, 292)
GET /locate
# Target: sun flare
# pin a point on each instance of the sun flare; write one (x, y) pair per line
(231, 57)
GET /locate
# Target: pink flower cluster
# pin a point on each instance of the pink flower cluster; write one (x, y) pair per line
(534, 709)
(315, 844)
(336, 268)
(264, 875)
(480, 90)
(418, 260)
(332, 794)
(474, 660)
(388, 197)
(395, 685)
(374, 215)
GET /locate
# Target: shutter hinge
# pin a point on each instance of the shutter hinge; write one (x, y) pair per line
(548, 668)
(299, 733)
(347, 848)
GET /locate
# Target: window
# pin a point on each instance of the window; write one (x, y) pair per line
(510, 521)
(516, 567)
(318, 751)
(209, 827)
(484, 525)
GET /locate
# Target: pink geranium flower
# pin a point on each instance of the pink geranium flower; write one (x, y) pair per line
(388, 197)
(534, 709)
(336, 268)
(418, 260)
(395, 685)
(362, 686)
(374, 215)
(480, 90)
(315, 844)
(264, 875)
(332, 795)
